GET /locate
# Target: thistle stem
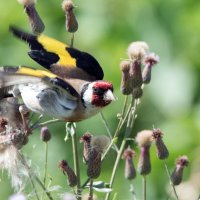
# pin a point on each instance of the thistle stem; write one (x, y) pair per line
(72, 40)
(76, 165)
(168, 174)
(91, 190)
(45, 165)
(144, 187)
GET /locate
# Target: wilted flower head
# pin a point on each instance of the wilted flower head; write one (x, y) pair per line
(3, 123)
(35, 21)
(128, 155)
(177, 174)
(162, 151)
(144, 139)
(86, 139)
(137, 92)
(72, 179)
(126, 83)
(71, 22)
(137, 50)
(45, 134)
(149, 61)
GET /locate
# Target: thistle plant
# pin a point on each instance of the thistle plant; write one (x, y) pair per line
(17, 126)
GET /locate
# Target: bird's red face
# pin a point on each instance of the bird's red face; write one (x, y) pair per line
(102, 93)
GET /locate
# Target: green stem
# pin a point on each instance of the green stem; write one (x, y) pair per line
(107, 129)
(72, 40)
(76, 165)
(144, 187)
(91, 190)
(115, 167)
(35, 126)
(44, 188)
(45, 165)
(168, 174)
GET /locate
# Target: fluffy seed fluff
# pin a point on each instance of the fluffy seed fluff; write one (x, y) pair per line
(27, 2)
(14, 162)
(100, 143)
(67, 5)
(144, 138)
(137, 50)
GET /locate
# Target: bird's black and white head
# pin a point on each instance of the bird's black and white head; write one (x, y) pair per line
(97, 94)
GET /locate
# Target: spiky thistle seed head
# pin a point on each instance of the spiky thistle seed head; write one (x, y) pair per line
(45, 134)
(137, 50)
(27, 2)
(66, 169)
(144, 139)
(177, 174)
(128, 155)
(161, 149)
(149, 61)
(126, 83)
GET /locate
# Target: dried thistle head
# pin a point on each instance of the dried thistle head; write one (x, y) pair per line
(161, 149)
(137, 50)
(71, 21)
(177, 174)
(86, 139)
(149, 61)
(3, 123)
(126, 83)
(66, 169)
(144, 138)
(128, 155)
(137, 92)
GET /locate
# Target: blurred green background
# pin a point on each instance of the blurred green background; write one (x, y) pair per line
(170, 102)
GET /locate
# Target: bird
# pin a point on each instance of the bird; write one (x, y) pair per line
(70, 88)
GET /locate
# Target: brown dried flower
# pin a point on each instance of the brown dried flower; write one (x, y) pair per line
(128, 155)
(72, 179)
(161, 149)
(177, 174)
(45, 134)
(144, 139)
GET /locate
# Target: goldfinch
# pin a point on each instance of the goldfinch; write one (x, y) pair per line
(60, 58)
(46, 93)
(72, 89)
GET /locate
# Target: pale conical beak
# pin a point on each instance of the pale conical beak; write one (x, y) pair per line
(108, 96)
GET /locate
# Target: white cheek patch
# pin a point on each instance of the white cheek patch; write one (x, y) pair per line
(87, 97)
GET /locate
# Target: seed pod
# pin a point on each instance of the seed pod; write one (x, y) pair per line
(45, 134)
(161, 149)
(143, 139)
(177, 174)
(72, 179)
(71, 22)
(3, 123)
(128, 155)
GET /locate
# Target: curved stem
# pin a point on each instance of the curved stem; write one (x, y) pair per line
(91, 190)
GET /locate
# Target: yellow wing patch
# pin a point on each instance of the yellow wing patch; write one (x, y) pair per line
(59, 48)
(35, 72)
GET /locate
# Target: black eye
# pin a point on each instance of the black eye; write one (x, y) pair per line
(98, 91)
